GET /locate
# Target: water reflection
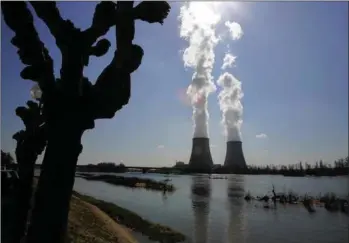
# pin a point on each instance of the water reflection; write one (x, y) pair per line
(237, 221)
(200, 198)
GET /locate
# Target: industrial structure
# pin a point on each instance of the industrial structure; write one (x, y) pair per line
(234, 158)
(201, 158)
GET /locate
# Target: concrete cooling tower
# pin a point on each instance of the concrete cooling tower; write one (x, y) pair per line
(234, 157)
(201, 158)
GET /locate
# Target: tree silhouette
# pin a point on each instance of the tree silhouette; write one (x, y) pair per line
(30, 143)
(71, 104)
(6, 159)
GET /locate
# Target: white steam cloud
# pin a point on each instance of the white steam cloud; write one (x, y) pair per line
(234, 29)
(230, 104)
(231, 94)
(197, 26)
(228, 61)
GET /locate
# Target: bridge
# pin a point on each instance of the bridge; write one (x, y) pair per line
(144, 169)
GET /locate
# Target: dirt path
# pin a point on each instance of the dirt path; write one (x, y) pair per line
(87, 223)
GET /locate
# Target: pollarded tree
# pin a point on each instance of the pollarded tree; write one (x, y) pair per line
(30, 143)
(73, 103)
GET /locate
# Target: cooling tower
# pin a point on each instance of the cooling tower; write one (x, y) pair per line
(201, 158)
(234, 157)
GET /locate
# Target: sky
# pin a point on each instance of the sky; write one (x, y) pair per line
(292, 62)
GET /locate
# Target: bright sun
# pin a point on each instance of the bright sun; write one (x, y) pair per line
(224, 8)
(208, 12)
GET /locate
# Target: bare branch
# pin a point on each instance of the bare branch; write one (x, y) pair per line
(152, 11)
(100, 49)
(113, 87)
(107, 15)
(31, 51)
(103, 20)
(49, 13)
(125, 27)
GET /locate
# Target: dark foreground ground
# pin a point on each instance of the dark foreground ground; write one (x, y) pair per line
(96, 221)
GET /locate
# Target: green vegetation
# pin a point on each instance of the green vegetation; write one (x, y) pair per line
(133, 182)
(131, 220)
(337, 168)
(329, 201)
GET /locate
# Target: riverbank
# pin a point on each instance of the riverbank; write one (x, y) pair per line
(132, 221)
(87, 223)
(95, 221)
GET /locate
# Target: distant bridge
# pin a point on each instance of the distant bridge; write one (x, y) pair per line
(148, 168)
(144, 169)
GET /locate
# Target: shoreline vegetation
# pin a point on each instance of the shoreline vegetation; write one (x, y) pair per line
(88, 223)
(330, 201)
(339, 167)
(155, 232)
(132, 182)
(97, 221)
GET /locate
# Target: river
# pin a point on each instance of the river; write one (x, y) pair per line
(222, 216)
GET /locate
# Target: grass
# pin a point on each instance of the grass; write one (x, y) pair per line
(133, 221)
(87, 225)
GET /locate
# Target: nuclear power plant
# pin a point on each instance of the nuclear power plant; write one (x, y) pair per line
(201, 158)
(234, 157)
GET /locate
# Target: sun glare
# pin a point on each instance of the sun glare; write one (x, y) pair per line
(207, 13)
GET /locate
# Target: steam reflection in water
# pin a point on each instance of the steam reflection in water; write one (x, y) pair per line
(237, 221)
(200, 200)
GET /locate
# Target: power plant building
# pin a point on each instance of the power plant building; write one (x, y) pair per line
(201, 158)
(234, 157)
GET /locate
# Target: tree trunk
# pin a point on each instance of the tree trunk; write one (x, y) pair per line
(23, 194)
(50, 214)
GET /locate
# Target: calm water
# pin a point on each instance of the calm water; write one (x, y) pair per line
(223, 216)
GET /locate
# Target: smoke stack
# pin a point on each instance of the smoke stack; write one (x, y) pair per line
(234, 157)
(201, 158)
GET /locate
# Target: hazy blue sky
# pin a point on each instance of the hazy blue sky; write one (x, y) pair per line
(292, 62)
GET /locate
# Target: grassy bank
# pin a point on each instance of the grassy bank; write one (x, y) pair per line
(88, 224)
(131, 220)
(95, 221)
(133, 182)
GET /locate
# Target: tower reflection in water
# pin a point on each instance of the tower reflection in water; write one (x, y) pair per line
(237, 220)
(200, 198)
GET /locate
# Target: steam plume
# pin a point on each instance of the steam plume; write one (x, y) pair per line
(234, 29)
(231, 94)
(228, 61)
(198, 21)
(230, 105)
